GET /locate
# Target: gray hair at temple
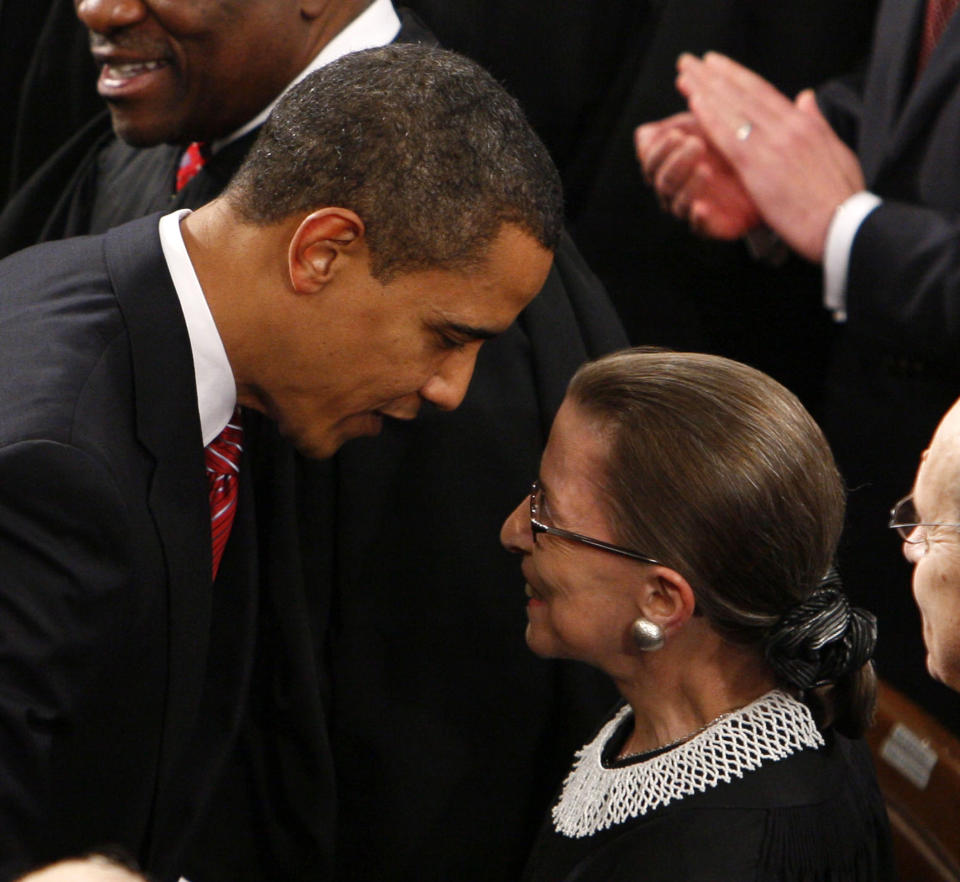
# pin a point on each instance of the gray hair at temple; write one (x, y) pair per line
(423, 144)
(719, 472)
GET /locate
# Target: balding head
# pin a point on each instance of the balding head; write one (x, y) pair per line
(91, 869)
(934, 549)
(942, 460)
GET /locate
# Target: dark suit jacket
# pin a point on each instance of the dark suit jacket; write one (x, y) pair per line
(122, 672)
(897, 363)
(398, 727)
(905, 264)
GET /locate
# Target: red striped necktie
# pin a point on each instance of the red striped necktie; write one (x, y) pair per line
(222, 457)
(194, 158)
(936, 18)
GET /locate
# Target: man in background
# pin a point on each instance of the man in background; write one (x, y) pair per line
(859, 178)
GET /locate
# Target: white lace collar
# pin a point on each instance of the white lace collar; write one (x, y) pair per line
(595, 797)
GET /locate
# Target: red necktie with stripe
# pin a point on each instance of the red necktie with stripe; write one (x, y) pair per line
(222, 457)
(193, 159)
(938, 13)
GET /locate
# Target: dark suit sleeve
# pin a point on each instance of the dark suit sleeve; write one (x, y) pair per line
(903, 286)
(62, 566)
(840, 101)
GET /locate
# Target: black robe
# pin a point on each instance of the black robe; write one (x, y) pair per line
(813, 816)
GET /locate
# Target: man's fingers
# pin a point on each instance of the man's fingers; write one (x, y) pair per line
(677, 167)
(659, 151)
(729, 100)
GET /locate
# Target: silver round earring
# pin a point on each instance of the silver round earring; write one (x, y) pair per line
(647, 635)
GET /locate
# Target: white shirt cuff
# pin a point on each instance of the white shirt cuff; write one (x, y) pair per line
(848, 217)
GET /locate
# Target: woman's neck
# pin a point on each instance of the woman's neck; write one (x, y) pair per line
(676, 695)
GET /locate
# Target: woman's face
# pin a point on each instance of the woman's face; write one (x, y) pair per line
(580, 606)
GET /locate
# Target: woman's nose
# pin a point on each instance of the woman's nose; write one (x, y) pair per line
(515, 534)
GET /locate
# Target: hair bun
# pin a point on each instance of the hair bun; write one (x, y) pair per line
(821, 638)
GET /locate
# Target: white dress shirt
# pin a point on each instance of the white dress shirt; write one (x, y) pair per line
(843, 229)
(216, 389)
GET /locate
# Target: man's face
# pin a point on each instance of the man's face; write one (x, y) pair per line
(367, 350)
(192, 70)
(936, 558)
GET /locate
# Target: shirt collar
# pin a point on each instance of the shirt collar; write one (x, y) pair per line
(216, 388)
(377, 25)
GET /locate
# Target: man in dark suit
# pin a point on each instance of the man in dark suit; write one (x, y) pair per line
(862, 179)
(391, 653)
(313, 293)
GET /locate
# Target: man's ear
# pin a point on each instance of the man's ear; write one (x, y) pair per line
(311, 9)
(319, 246)
(666, 598)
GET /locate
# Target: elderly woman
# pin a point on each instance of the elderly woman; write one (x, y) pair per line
(681, 537)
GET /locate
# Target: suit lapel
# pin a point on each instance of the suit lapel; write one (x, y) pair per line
(929, 95)
(889, 80)
(167, 424)
(903, 106)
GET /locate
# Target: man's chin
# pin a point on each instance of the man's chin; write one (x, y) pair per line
(134, 134)
(325, 444)
(948, 676)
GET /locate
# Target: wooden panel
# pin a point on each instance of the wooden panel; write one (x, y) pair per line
(918, 766)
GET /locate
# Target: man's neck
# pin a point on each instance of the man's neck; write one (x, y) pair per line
(342, 28)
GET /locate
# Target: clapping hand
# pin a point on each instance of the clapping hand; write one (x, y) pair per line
(746, 154)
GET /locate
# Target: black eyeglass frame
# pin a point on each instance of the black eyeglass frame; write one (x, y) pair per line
(537, 527)
(906, 529)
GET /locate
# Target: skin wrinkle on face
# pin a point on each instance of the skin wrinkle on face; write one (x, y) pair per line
(936, 561)
(579, 605)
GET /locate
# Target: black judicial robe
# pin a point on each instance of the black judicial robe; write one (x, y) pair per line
(398, 726)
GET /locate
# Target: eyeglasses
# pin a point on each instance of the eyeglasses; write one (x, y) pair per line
(905, 520)
(537, 527)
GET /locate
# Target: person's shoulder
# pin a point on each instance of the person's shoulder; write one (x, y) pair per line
(573, 309)
(61, 324)
(131, 182)
(819, 812)
(808, 777)
(47, 266)
(414, 30)
(814, 813)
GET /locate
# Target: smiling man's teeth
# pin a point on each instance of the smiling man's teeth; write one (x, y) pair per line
(528, 590)
(131, 69)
